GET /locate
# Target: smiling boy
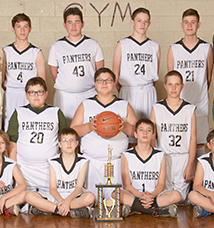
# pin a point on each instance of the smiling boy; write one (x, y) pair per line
(22, 61)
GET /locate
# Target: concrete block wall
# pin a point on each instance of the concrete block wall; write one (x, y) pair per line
(107, 21)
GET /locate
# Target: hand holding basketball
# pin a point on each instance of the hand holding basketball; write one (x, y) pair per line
(107, 124)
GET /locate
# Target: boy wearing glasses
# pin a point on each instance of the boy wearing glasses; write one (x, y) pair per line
(93, 146)
(193, 58)
(203, 188)
(67, 182)
(22, 61)
(73, 60)
(33, 131)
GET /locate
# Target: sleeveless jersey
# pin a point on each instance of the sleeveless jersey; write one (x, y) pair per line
(66, 180)
(207, 165)
(192, 64)
(21, 66)
(38, 132)
(7, 175)
(173, 128)
(139, 64)
(76, 63)
(144, 174)
(93, 145)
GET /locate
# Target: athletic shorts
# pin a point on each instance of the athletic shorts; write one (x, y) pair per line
(69, 102)
(175, 167)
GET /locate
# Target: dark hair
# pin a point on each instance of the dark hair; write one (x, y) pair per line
(72, 11)
(146, 121)
(5, 138)
(210, 136)
(67, 131)
(20, 17)
(191, 12)
(104, 70)
(140, 10)
(173, 73)
(36, 81)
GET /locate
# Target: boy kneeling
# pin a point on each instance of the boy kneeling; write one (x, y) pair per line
(67, 178)
(143, 170)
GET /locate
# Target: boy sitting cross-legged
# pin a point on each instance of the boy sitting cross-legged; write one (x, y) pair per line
(143, 171)
(67, 178)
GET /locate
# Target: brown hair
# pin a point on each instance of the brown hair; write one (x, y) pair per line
(68, 131)
(191, 12)
(210, 136)
(20, 17)
(146, 121)
(36, 81)
(5, 138)
(72, 11)
(173, 73)
(140, 10)
(104, 70)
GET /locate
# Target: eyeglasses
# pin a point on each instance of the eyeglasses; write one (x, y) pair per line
(68, 140)
(101, 81)
(33, 93)
(212, 142)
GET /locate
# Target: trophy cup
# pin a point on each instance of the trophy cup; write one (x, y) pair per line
(109, 204)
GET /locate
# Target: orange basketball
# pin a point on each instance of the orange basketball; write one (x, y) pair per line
(107, 124)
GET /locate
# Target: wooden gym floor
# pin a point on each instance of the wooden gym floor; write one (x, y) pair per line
(185, 219)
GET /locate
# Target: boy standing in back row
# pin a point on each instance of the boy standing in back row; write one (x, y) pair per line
(136, 65)
(22, 61)
(73, 61)
(193, 58)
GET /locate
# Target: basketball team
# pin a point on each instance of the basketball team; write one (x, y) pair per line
(159, 150)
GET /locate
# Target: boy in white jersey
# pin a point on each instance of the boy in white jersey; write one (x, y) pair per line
(143, 171)
(203, 188)
(10, 197)
(93, 146)
(136, 65)
(33, 131)
(73, 61)
(193, 58)
(67, 182)
(22, 61)
(175, 132)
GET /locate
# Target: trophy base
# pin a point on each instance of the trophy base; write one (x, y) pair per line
(120, 219)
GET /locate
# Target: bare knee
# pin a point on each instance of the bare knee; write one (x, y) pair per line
(89, 199)
(176, 196)
(193, 197)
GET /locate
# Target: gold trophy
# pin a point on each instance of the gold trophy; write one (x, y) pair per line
(109, 204)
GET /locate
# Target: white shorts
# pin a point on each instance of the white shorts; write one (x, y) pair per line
(69, 102)
(175, 167)
(36, 176)
(141, 98)
(13, 99)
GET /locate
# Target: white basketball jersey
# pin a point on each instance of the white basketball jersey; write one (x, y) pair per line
(76, 63)
(93, 145)
(66, 180)
(38, 132)
(173, 128)
(139, 63)
(21, 66)
(7, 175)
(192, 64)
(207, 165)
(144, 174)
